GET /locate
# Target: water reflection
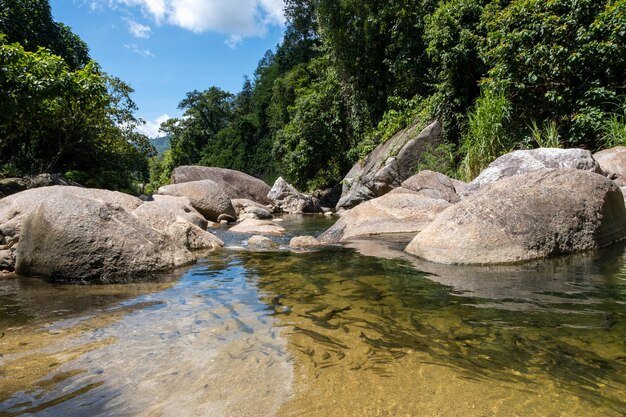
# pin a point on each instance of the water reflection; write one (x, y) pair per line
(531, 329)
(330, 332)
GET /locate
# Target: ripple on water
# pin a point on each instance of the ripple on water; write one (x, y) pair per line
(330, 332)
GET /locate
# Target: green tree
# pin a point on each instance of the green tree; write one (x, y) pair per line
(55, 119)
(30, 23)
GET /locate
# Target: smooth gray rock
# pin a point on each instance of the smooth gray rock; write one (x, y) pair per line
(192, 237)
(14, 208)
(234, 183)
(258, 227)
(392, 213)
(175, 217)
(613, 163)
(165, 210)
(521, 162)
(77, 238)
(206, 196)
(540, 214)
(289, 200)
(432, 185)
(388, 165)
(241, 204)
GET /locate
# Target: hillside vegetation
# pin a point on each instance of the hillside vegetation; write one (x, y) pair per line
(499, 75)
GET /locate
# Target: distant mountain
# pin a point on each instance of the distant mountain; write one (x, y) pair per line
(161, 144)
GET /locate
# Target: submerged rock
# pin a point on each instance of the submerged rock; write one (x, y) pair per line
(398, 212)
(613, 163)
(388, 165)
(258, 227)
(521, 162)
(540, 214)
(304, 242)
(234, 183)
(78, 238)
(289, 200)
(206, 196)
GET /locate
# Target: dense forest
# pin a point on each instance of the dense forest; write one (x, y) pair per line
(499, 75)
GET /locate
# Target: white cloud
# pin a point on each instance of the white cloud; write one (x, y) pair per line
(234, 41)
(242, 18)
(134, 48)
(138, 30)
(151, 128)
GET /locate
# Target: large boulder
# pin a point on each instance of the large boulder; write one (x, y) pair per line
(613, 163)
(392, 213)
(206, 196)
(432, 185)
(191, 236)
(234, 183)
(521, 162)
(258, 227)
(78, 238)
(251, 209)
(289, 200)
(14, 208)
(388, 165)
(165, 210)
(175, 217)
(540, 214)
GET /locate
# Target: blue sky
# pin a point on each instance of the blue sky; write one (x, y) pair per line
(164, 48)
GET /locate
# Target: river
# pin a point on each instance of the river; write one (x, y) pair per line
(354, 330)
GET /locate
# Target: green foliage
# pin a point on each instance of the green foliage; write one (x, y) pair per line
(546, 136)
(486, 137)
(401, 113)
(559, 60)
(453, 35)
(54, 119)
(313, 146)
(351, 73)
(30, 23)
(441, 158)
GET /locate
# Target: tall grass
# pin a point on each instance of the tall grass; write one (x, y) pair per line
(485, 138)
(546, 136)
(614, 131)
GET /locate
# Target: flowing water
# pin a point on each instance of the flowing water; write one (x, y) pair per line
(358, 330)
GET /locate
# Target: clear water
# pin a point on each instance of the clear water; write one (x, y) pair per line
(331, 332)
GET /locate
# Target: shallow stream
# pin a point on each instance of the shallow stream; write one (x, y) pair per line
(334, 332)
